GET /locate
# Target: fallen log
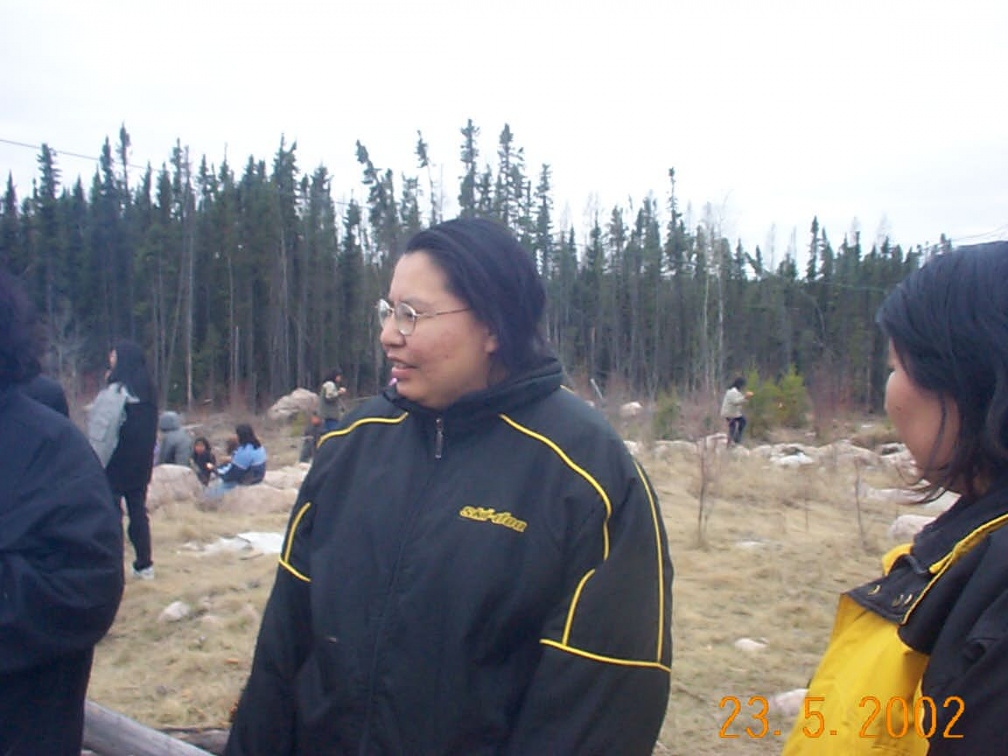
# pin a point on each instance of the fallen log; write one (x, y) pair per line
(113, 734)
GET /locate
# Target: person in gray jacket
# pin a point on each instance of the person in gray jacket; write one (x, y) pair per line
(176, 444)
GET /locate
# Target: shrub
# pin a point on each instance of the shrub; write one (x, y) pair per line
(665, 420)
(793, 400)
(774, 404)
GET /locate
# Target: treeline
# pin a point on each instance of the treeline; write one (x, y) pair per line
(242, 285)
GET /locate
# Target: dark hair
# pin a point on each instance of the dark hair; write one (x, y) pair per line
(18, 337)
(488, 269)
(738, 383)
(246, 435)
(202, 440)
(131, 370)
(948, 323)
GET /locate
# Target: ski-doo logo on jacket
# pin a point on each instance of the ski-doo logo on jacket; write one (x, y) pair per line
(484, 514)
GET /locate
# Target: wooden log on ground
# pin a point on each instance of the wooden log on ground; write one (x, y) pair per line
(112, 734)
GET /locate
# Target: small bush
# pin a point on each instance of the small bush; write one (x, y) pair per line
(793, 400)
(665, 420)
(775, 404)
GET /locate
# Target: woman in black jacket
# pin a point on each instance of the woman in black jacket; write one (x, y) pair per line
(129, 469)
(61, 555)
(475, 564)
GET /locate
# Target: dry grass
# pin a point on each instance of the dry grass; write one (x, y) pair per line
(783, 590)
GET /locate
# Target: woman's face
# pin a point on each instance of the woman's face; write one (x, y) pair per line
(916, 414)
(446, 356)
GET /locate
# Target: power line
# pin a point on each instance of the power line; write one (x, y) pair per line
(38, 148)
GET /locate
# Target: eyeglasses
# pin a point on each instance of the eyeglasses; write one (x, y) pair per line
(405, 316)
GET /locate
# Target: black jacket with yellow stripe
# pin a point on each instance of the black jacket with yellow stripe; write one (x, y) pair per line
(492, 579)
(961, 622)
(918, 659)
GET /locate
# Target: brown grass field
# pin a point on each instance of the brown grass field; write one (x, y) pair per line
(189, 673)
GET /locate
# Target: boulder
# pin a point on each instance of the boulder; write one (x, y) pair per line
(939, 505)
(631, 410)
(253, 499)
(172, 483)
(845, 450)
(300, 401)
(895, 495)
(906, 526)
(789, 703)
(793, 460)
(174, 612)
(287, 477)
(749, 645)
(885, 450)
(668, 449)
(713, 442)
(903, 462)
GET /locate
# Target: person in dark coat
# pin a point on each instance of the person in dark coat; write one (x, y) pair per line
(44, 389)
(475, 564)
(132, 459)
(203, 460)
(61, 556)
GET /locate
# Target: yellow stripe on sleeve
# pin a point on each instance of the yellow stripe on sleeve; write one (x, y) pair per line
(606, 659)
(661, 562)
(285, 554)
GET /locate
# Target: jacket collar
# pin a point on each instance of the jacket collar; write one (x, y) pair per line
(896, 595)
(473, 409)
(968, 514)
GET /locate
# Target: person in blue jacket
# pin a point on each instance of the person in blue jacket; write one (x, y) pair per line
(247, 465)
(475, 563)
(61, 555)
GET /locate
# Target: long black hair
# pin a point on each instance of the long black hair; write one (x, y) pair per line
(131, 371)
(488, 269)
(948, 323)
(246, 435)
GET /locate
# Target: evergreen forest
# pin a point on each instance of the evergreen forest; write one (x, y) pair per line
(243, 283)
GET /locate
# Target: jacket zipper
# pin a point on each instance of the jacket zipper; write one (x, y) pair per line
(439, 438)
(366, 734)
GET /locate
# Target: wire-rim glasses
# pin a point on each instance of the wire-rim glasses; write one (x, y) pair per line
(405, 316)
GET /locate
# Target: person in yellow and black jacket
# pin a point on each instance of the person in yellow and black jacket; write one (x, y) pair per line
(475, 564)
(918, 659)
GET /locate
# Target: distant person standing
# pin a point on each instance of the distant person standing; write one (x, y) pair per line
(61, 555)
(312, 433)
(331, 407)
(733, 410)
(122, 428)
(176, 446)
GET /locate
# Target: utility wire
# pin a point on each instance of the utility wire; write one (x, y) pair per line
(38, 147)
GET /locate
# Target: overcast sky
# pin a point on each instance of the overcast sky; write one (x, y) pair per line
(888, 113)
